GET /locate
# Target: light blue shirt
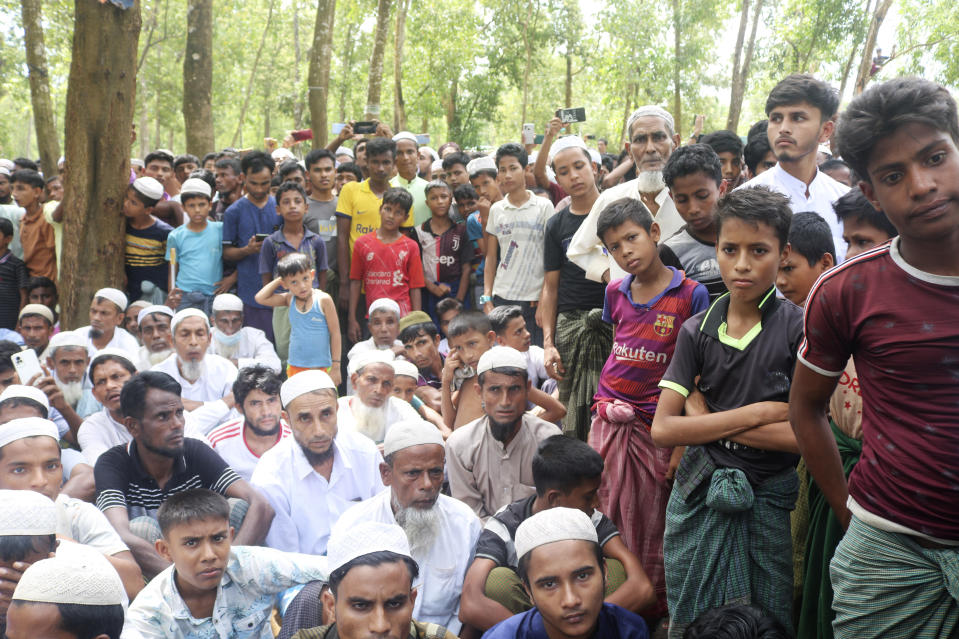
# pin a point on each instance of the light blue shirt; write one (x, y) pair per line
(199, 257)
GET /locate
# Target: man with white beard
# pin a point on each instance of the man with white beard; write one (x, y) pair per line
(442, 531)
(242, 345)
(373, 408)
(652, 139)
(153, 326)
(67, 360)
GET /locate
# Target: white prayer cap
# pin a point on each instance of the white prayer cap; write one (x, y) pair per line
(139, 304)
(184, 314)
(406, 135)
(17, 429)
(150, 310)
(405, 367)
(149, 187)
(37, 309)
(485, 163)
(363, 360)
(26, 392)
(385, 304)
(7, 164)
(303, 383)
(61, 160)
(531, 158)
(227, 302)
(114, 295)
(566, 142)
(500, 357)
(409, 433)
(432, 153)
(79, 576)
(344, 151)
(282, 154)
(66, 338)
(595, 156)
(551, 525)
(137, 162)
(5, 171)
(25, 512)
(651, 109)
(437, 165)
(196, 186)
(348, 543)
(112, 352)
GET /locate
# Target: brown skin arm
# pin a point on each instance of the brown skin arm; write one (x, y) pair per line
(258, 517)
(416, 299)
(637, 591)
(548, 303)
(81, 485)
(776, 436)
(476, 609)
(150, 562)
(448, 401)
(126, 566)
(354, 332)
(553, 410)
(343, 258)
(671, 428)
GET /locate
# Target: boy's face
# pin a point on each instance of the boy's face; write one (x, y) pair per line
(914, 180)
(55, 190)
(796, 130)
(132, 206)
(43, 295)
(512, 175)
(466, 204)
(446, 318)
(384, 327)
(5, 242)
(456, 176)
(343, 177)
(300, 284)
(257, 184)
(796, 275)
(200, 550)
(768, 162)
(515, 335)
(584, 496)
(404, 387)
(183, 171)
(160, 170)
(32, 463)
(486, 187)
(381, 166)
(732, 166)
(296, 177)
(391, 216)
(632, 247)
(423, 351)
(574, 171)
(749, 257)
(439, 202)
(197, 209)
(322, 174)
(861, 236)
(695, 196)
(471, 345)
(291, 206)
(566, 585)
(25, 195)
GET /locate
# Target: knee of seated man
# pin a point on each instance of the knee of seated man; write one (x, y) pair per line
(504, 587)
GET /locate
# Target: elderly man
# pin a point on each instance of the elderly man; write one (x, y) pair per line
(374, 408)
(242, 345)
(407, 169)
(490, 459)
(652, 138)
(442, 531)
(310, 479)
(106, 320)
(153, 327)
(35, 325)
(66, 386)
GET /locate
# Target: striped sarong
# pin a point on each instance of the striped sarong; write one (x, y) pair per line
(727, 541)
(886, 585)
(584, 342)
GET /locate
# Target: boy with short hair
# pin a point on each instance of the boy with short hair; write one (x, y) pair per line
(196, 251)
(510, 327)
(146, 238)
(808, 255)
(470, 335)
(13, 279)
(731, 372)
(446, 250)
(729, 147)
(36, 235)
(863, 226)
(421, 342)
(482, 174)
(446, 310)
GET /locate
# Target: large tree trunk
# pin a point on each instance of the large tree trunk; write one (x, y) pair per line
(376, 61)
(349, 44)
(399, 104)
(99, 114)
(568, 94)
(863, 77)
(198, 78)
(677, 59)
(40, 86)
(319, 79)
(298, 106)
(741, 69)
(249, 85)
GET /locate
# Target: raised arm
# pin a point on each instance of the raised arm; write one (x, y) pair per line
(269, 297)
(553, 409)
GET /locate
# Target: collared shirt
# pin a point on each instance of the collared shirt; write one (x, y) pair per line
(121, 339)
(215, 383)
(521, 234)
(416, 188)
(85, 524)
(39, 246)
(305, 504)
(587, 251)
(443, 567)
(99, 432)
(229, 441)
(276, 247)
(244, 600)
(397, 410)
(361, 207)
(252, 348)
(483, 473)
(241, 221)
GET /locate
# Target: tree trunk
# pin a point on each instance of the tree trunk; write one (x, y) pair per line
(376, 61)
(47, 141)
(568, 98)
(198, 78)
(677, 53)
(319, 79)
(249, 84)
(863, 77)
(528, 48)
(348, 45)
(399, 105)
(298, 104)
(450, 107)
(738, 90)
(736, 84)
(99, 113)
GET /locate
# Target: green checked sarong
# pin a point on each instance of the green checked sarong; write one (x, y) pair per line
(584, 342)
(727, 541)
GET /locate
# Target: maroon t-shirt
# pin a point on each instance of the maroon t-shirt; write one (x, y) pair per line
(902, 327)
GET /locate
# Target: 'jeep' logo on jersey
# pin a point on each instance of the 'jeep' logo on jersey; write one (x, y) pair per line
(663, 325)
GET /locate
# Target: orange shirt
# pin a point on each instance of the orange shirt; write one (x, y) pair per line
(39, 246)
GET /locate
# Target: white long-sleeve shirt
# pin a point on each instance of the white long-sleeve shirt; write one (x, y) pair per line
(252, 348)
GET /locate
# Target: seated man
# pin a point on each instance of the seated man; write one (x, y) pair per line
(153, 327)
(103, 430)
(371, 592)
(490, 459)
(242, 345)
(560, 563)
(441, 530)
(311, 478)
(35, 325)
(134, 479)
(106, 319)
(67, 360)
(213, 588)
(567, 474)
(373, 408)
(9, 375)
(241, 442)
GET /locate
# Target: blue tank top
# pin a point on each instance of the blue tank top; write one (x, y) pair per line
(309, 336)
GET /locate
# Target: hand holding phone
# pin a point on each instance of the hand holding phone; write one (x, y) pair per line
(364, 127)
(569, 116)
(27, 365)
(529, 133)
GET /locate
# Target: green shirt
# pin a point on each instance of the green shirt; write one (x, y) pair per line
(416, 188)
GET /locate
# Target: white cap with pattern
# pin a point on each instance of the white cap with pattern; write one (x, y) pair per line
(409, 433)
(81, 576)
(116, 296)
(348, 543)
(552, 525)
(500, 357)
(303, 383)
(25, 512)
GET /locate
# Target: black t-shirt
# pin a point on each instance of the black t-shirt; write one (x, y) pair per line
(575, 291)
(13, 277)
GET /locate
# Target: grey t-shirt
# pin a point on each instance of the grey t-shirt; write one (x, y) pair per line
(696, 258)
(321, 219)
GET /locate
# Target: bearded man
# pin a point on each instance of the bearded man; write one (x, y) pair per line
(153, 327)
(374, 408)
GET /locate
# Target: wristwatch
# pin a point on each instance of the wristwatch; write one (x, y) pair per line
(485, 298)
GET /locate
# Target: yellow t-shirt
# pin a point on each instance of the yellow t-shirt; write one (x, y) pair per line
(357, 202)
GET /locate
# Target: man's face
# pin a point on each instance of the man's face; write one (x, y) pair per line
(566, 585)
(200, 550)
(840, 173)
(416, 477)
(342, 178)
(407, 158)
(105, 316)
(55, 189)
(360, 152)
(861, 236)
(191, 339)
(374, 384)
(312, 418)
(5, 187)
(258, 184)
(424, 162)
(227, 181)
(184, 170)
(296, 177)
(108, 379)
(650, 143)
(158, 169)
(36, 621)
(796, 276)
(470, 346)
(456, 175)
(768, 162)
(574, 171)
(515, 335)
(384, 327)
(161, 429)
(381, 167)
(70, 363)
(373, 601)
(7, 378)
(504, 399)
(130, 319)
(262, 412)
(35, 331)
(228, 322)
(695, 196)
(32, 463)
(423, 350)
(43, 295)
(732, 166)
(322, 175)
(796, 130)
(155, 332)
(487, 187)
(749, 257)
(404, 387)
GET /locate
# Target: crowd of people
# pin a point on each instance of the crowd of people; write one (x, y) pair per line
(699, 388)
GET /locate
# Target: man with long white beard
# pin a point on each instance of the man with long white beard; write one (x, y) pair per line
(652, 139)
(242, 345)
(67, 360)
(374, 408)
(153, 326)
(442, 531)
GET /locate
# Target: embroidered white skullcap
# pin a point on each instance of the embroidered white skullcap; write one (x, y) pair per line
(437, 165)
(25, 512)
(184, 314)
(282, 154)
(303, 383)
(26, 392)
(5, 171)
(112, 352)
(195, 186)
(79, 575)
(385, 304)
(66, 338)
(405, 367)
(156, 308)
(409, 433)
(348, 543)
(552, 525)
(114, 295)
(363, 360)
(485, 163)
(566, 142)
(431, 151)
(137, 162)
(139, 304)
(37, 309)
(595, 156)
(500, 357)
(227, 302)
(406, 135)
(345, 151)
(651, 109)
(149, 187)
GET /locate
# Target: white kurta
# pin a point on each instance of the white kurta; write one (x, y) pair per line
(252, 348)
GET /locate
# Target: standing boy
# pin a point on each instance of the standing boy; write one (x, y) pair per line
(36, 234)
(446, 249)
(13, 279)
(196, 249)
(146, 238)
(482, 173)
(808, 255)
(863, 226)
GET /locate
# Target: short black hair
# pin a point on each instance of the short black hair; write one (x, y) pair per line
(455, 158)
(159, 154)
(511, 149)
(755, 150)
(86, 621)
(522, 566)
(398, 196)
(735, 621)
(293, 263)
(448, 304)
(882, 109)
(134, 394)
(26, 163)
(256, 161)
(755, 205)
(562, 463)
(290, 186)
(186, 158)
(6, 227)
(107, 357)
(373, 559)
(205, 175)
(316, 155)
(692, 159)
(759, 128)
(15, 402)
(621, 211)
(853, 205)
(723, 141)
(468, 321)
(436, 184)
(28, 177)
(501, 316)
(7, 349)
(192, 505)
(413, 331)
(505, 370)
(803, 87)
(39, 281)
(17, 547)
(227, 162)
(256, 377)
(465, 192)
(288, 167)
(351, 167)
(379, 146)
(212, 155)
(811, 237)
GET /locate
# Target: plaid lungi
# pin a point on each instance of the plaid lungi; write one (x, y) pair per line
(584, 342)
